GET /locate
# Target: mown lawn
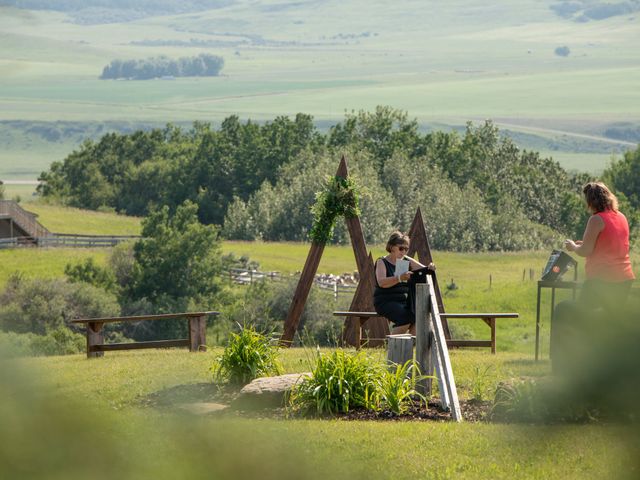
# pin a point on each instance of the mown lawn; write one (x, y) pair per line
(68, 417)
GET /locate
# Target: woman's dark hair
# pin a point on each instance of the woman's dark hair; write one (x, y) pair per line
(397, 238)
(599, 198)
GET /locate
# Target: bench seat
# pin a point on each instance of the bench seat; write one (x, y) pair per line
(488, 318)
(196, 341)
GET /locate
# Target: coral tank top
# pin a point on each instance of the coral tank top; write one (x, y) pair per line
(609, 260)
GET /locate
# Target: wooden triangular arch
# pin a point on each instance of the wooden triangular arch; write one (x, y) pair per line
(420, 244)
(375, 328)
(363, 297)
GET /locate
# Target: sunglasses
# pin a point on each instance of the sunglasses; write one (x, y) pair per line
(402, 248)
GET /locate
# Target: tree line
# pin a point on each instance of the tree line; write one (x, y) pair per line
(478, 190)
(203, 65)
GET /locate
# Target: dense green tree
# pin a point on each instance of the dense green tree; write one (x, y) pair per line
(623, 176)
(381, 133)
(203, 65)
(176, 268)
(262, 177)
(283, 211)
(90, 272)
(178, 257)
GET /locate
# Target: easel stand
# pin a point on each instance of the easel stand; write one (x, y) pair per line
(553, 285)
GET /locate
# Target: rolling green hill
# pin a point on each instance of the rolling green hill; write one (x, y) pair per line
(444, 62)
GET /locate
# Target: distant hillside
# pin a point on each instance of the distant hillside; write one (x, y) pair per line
(89, 12)
(446, 63)
(588, 10)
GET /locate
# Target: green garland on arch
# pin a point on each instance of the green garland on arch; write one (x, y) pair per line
(340, 198)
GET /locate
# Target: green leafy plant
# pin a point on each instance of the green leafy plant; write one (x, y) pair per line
(341, 197)
(541, 401)
(397, 387)
(480, 383)
(248, 355)
(339, 382)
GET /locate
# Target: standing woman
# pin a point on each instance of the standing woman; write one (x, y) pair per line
(605, 244)
(390, 297)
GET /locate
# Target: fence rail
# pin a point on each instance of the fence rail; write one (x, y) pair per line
(66, 240)
(15, 242)
(87, 241)
(246, 277)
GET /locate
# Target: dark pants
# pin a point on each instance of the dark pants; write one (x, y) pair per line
(577, 324)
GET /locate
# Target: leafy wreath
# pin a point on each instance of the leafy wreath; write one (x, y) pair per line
(341, 197)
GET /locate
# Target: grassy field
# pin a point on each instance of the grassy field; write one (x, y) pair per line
(73, 220)
(44, 263)
(444, 63)
(128, 406)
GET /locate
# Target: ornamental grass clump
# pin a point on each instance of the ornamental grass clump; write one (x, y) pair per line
(339, 382)
(396, 387)
(248, 355)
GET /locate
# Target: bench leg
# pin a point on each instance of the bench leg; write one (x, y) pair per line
(197, 334)
(492, 324)
(352, 333)
(95, 337)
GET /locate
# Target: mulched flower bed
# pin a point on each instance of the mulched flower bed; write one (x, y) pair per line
(472, 411)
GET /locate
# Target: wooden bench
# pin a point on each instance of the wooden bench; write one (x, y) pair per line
(488, 318)
(196, 341)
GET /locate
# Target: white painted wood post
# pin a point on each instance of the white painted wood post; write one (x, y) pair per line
(445, 372)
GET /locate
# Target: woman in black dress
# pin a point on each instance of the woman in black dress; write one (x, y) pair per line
(390, 297)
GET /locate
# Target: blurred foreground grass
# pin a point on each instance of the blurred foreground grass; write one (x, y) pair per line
(69, 417)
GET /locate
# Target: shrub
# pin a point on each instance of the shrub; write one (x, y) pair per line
(339, 382)
(121, 262)
(42, 305)
(265, 305)
(60, 341)
(542, 401)
(248, 355)
(89, 272)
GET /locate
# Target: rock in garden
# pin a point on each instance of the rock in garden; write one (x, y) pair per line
(267, 392)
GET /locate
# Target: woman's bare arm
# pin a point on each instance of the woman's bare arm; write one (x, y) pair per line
(585, 247)
(383, 280)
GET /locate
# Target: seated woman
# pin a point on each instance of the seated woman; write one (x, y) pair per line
(390, 297)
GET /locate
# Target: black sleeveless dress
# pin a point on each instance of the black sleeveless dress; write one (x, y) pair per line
(392, 302)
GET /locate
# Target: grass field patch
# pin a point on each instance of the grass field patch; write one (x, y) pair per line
(109, 396)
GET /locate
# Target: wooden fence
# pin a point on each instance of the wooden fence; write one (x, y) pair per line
(69, 240)
(247, 276)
